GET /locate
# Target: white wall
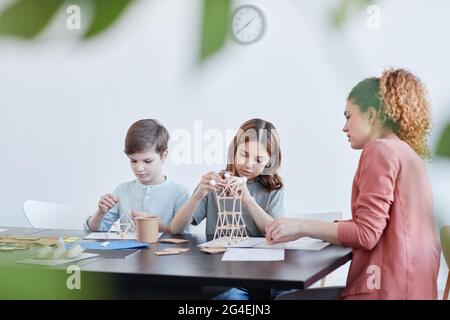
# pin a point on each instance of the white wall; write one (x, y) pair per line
(65, 104)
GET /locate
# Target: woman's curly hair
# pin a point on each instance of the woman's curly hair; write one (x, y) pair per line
(402, 103)
(405, 100)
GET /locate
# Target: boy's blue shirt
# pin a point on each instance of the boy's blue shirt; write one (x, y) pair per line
(162, 200)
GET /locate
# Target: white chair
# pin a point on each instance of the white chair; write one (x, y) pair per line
(322, 216)
(52, 215)
(200, 229)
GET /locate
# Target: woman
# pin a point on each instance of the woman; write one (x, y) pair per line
(395, 248)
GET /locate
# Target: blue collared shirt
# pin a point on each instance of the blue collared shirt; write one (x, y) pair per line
(162, 200)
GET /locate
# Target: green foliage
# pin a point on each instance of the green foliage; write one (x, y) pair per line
(23, 282)
(443, 146)
(106, 12)
(216, 23)
(345, 9)
(27, 18)
(445, 243)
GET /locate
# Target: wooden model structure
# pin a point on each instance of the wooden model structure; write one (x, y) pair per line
(126, 225)
(230, 227)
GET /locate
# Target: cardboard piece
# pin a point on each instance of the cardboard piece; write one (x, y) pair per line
(43, 241)
(166, 253)
(46, 242)
(213, 250)
(181, 250)
(173, 240)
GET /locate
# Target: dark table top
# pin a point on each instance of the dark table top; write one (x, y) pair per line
(300, 269)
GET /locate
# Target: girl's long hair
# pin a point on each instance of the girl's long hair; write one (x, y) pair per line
(266, 135)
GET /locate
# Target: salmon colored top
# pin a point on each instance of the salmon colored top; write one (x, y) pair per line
(395, 248)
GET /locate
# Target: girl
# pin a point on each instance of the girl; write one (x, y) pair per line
(395, 248)
(255, 154)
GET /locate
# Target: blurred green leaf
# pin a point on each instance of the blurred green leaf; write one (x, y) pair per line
(346, 8)
(443, 146)
(23, 282)
(106, 12)
(339, 14)
(27, 18)
(216, 22)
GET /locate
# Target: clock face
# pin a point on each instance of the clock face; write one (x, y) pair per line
(248, 24)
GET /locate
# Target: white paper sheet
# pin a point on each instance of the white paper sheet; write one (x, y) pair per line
(112, 236)
(258, 242)
(51, 263)
(1, 230)
(248, 243)
(300, 244)
(252, 254)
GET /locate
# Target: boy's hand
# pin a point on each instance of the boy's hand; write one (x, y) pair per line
(106, 202)
(209, 181)
(135, 214)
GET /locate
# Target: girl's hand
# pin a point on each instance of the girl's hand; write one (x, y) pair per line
(106, 202)
(283, 230)
(245, 193)
(205, 186)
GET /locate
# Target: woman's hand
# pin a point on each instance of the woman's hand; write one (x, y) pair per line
(106, 202)
(283, 230)
(206, 185)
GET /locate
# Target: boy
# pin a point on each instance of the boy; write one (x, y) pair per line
(146, 145)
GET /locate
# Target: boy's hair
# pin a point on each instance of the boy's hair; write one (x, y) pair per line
(265, 133)
(146, 134)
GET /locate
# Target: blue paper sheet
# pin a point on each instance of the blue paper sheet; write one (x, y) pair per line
(113, 245)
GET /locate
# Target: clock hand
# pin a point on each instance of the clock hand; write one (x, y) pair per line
(246, 25)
